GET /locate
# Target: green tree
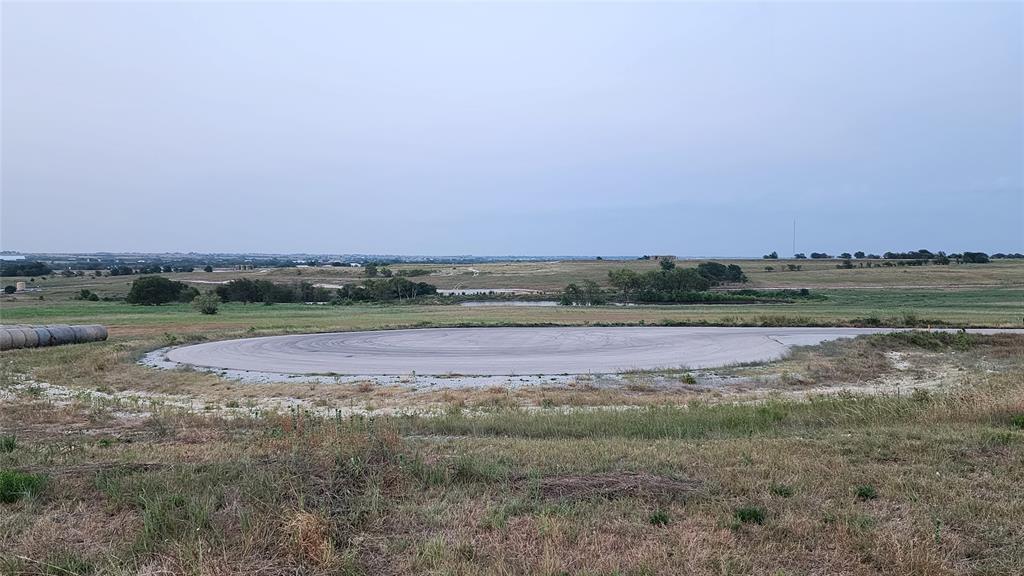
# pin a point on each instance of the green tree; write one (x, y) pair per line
(208, 268)
(156, 290)
(666, 265)
(974, 258)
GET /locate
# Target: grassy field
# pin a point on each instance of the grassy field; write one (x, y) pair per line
(963, 295)
(993, 307)
(924, 483)
(893, 454)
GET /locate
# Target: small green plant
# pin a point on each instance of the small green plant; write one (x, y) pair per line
(783, 490)
(659, 518)
(688, 379)
(8, 443)
(16, 485)
(866, 492)
(750, 515)
(1017, 421)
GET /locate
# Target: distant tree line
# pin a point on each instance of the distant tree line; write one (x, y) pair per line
(382, 290)
(385, 290)
(249, 291)
(912, 258)
(23, 268)
(667, 284)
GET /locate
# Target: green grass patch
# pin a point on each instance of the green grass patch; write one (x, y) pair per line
(694, 421)
(750, 515)
(867, 492)
(16, 485)
(8, 442)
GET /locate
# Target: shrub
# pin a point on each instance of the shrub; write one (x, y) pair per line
(1017, 421)
(207, 268)
(8, 443)
(866, 492)
(16, 485)
(87, 294)
(10, 289)
(750, 515)
(206, 303)
(783, 490)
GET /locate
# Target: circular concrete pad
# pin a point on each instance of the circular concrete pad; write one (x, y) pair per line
(505, 351)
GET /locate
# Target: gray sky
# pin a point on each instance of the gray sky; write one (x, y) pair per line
(694, 129)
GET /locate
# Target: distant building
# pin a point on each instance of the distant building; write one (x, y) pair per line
(664, 257)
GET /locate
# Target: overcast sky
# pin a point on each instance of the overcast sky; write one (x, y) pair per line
(693, 129)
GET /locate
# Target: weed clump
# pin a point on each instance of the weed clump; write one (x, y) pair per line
(8, 443)
(866, 492)
(782, 490)
(16, 485)
(750, 515)
(659, 518)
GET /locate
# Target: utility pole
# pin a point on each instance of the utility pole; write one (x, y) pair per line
(794, 237)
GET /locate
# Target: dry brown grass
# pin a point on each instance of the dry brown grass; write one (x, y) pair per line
(617, 485)
(154, 490)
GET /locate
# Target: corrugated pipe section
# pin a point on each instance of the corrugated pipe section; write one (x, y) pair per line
(12, 337)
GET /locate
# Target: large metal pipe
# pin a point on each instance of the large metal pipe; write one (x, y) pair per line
(12, 337)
